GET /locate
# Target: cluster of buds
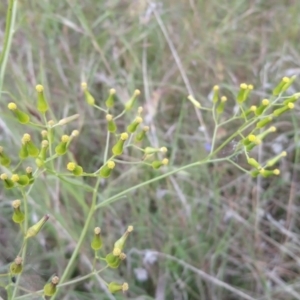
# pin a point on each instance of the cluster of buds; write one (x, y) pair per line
(156, 164)
(114, 258)
(218, 101)
(21, 180)
(62, 147)
(263, 169)
(258, 116)
(244, 92)
(134, 131)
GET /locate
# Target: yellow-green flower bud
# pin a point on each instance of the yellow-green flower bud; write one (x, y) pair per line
(280, 111)
(262, 123)
(21, 180)
(268, 173)
(215, 98)
(292, 99)
(131, 128)
(43, 154)
(50, 287)
(140, 110)
(44, 149)
(42, 104)
(35, 229)
(120, 243)
(221, 106)
(252, 109)
(117, 252)
(254, 144)
(110, 100)
(8, 183)
(194, 101)
(44, 134)
(288, 84)
(141, 135)
(29, 175)
(74, 133)
(18, 216)
(17, 266)
(74, 168)
(279, 88)
(23, 153)
(111, 125)
(118, 147)
(67, 120)
(96, 243)
(157, 164)
(4, 159)
(273, 161)
(28, 147)
(33, 150)
(129, 104)
(163, 149)
(105, 170)
(113, 261)
(248, 91)
(151, 150)
(51, 123)
(88, 97)
(251, 141)
(262, 107)
(15, 177)
(241, 97)
(114, 287)
(252, 162)
(262, 135)
(22, 117)
(39, 162)
(62, 147)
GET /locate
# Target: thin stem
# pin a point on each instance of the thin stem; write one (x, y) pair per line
(120, 115)
(67, 283)
(117, 196)
(100, 108)
(81, 238)
(237, 165)
(86, 225)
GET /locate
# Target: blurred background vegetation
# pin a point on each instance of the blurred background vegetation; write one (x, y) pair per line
(202, 223)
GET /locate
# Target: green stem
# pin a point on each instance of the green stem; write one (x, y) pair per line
(119, 195)
(9, 31)
(81, 238)
(86, 225)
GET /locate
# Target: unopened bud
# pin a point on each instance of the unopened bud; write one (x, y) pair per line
(35, 229)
